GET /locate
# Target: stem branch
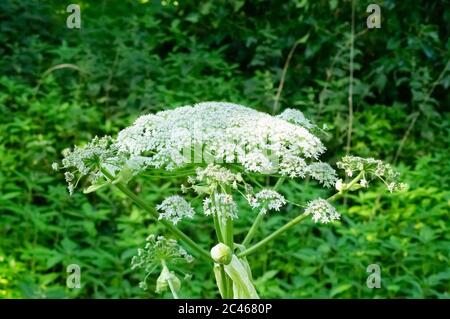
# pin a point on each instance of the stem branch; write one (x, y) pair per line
(275, 234)
(178, 233)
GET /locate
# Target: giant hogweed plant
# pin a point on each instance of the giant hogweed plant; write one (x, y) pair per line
(219, 148)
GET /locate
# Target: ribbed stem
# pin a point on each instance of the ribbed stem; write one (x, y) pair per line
(170, 282)
(253, 229)
(272, 236)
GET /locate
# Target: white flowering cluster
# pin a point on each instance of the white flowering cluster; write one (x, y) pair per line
(158, 248)
(175, 208)
(221, 205)
(323, 173)
(293, 166)
(321, 211)
(221, 132)
(212, 177)
(267, 199)
(227, 132)
(371, 169)
(87, 160)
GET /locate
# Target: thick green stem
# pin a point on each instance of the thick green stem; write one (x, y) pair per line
(228, 240)
(224, 277)
(348, 187)
(172, 289)
(170, 282)
(217, 229)
(253, 229)
(229, 233)
(178, 233)
(272, 236)
(224, 233)
(229, 243)
(259, 218)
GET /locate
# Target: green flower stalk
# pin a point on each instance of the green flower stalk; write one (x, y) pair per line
(221, 149)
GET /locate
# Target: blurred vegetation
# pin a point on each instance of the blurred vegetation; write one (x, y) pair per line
(60, 87)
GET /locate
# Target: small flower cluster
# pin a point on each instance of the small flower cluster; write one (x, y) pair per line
(86, 160)
(221, 205)
(158, 248)
(321, 211)
(175, 208)
(213, 176)
(267, 199)
(159, 252)
(293, 166)
(371, 169)
(323, 173)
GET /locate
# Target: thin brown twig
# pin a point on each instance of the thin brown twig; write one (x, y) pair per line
(350, 85)
(283, 75)
(329, 74)
(54, 68)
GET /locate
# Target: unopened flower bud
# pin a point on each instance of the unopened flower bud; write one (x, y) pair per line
(221, 254)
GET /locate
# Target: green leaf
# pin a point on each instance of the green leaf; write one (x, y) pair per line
(340, 289)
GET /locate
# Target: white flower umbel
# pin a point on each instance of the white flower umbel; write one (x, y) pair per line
(227, 132)
(158, 248)
(293, 166)
(222, 149)
(87, 160)
(214, 176)
(371, 169)
(322, 211)
(159, 252)
(323, 173)
(174, 209)
(205, 133)
(220, 204)
(267, 199)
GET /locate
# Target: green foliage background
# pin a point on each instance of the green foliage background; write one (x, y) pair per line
(60, 87)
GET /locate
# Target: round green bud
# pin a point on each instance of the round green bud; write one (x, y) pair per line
(221, 254)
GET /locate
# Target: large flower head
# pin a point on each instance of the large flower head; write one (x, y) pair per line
(224, 132)
(206, 133)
